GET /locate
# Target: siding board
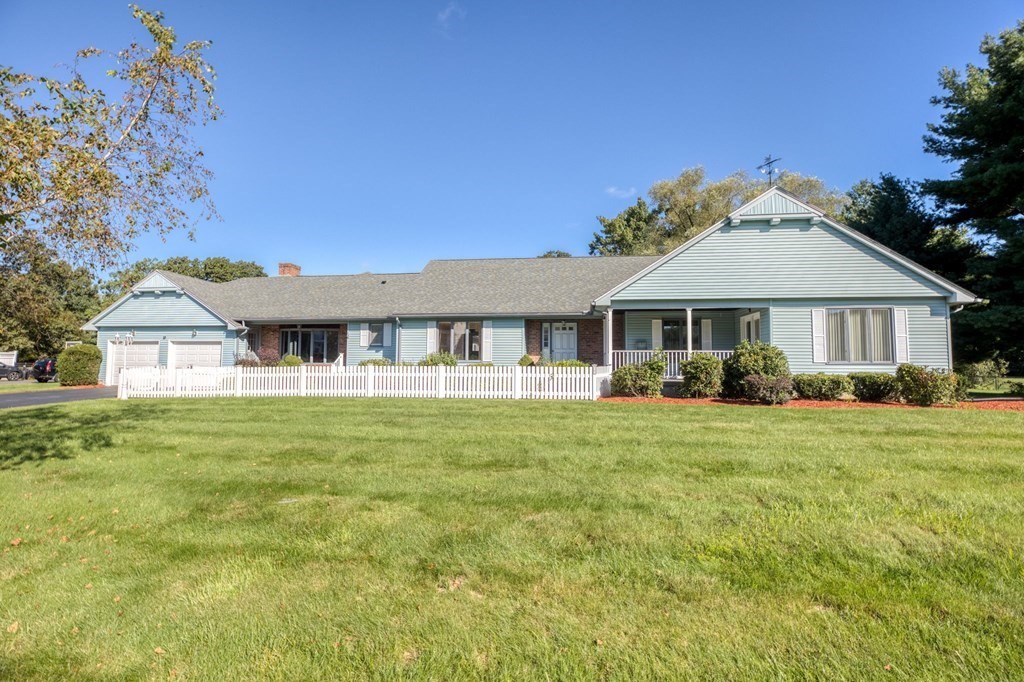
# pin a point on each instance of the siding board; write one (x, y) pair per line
(791, 260)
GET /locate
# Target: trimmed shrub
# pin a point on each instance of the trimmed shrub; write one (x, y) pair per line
(242, 361)
(984, 373)
(873, 387)
(439, 358)
(526, 361)
(268, 357)
(643, 380)
(702, 376)
(377, 362)
(924, 387)
(822, 386)
(1017, 390)
(768, 390)
(291, 361)
(749, 359)
(79, 365)
(567, 363)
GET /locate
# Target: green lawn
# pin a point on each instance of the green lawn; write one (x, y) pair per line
(353, 539)
(26, 385)
(999, 391)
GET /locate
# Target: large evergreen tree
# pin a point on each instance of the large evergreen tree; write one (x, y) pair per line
(982, 130)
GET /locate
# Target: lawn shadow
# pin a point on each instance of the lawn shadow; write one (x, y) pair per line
(40, 434)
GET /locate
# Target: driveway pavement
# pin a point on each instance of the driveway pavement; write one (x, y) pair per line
(63, 395)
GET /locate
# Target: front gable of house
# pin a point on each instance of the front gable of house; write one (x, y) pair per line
(156, 301)
(777, 247)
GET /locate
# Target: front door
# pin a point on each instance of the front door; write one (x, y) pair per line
(563, 341)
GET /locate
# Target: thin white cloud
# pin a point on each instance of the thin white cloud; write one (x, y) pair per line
(620, 192)
(452, 11)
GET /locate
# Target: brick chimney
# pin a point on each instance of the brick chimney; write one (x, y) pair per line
(288, 270)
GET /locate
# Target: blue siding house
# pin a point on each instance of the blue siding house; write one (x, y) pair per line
(775, 270)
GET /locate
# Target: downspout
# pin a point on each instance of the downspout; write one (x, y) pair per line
(949, 335)
(398, 340)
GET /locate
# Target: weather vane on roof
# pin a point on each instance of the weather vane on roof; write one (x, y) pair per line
(769, 169)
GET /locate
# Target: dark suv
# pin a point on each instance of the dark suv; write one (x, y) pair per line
(44, 370)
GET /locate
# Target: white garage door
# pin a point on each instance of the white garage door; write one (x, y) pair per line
(186, 354)
(138, 354)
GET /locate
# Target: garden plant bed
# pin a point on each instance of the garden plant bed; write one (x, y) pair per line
(995, 405)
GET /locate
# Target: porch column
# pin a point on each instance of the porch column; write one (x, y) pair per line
(689, 332)
(608, 337)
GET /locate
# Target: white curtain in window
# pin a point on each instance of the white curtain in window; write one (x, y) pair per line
(859, 339)
(837, 335)
(881, 334)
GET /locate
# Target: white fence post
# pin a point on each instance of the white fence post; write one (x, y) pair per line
(122, 393)
(302, 381)
(177, 382)
(238, 381)
(517, 382)
(370, 381)
(441, 377)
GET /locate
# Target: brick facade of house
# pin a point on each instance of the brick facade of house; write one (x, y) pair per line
(589, 338)
(270, 338)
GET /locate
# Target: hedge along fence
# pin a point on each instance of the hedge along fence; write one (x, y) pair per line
(440, 381)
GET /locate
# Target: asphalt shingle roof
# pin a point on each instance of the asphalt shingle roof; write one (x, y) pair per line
(502, 286)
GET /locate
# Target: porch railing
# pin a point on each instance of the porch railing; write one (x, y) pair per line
(673, 358)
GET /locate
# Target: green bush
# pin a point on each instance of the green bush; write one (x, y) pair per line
(291, 361)
(439, 358)
(79, 365)
(984, 373)
(768, 390)
(376, 362)
(923, 386)
(644, 380)
(526, 361)
(567, 363)
(822, 386)
(1017, 390)
(873, 387)
(749, 359)
(702, 376)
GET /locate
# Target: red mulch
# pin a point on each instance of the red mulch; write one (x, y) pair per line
(996, 405)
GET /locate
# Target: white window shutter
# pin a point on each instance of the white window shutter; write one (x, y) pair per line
(902, 335)
(364, 334)
(705, 335)
(486, 335)
(818, 334)
(431, 337)
(656, 341)
(387, 334)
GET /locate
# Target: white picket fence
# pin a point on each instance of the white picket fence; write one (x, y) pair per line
(329, 381)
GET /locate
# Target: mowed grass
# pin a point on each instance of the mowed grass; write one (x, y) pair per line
(376, 539)
(27, 385)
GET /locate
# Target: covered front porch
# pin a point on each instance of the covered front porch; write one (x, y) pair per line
(681, 333)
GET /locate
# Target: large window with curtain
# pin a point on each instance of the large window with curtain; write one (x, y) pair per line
(461, 339)
(312, 345)
(860, 335)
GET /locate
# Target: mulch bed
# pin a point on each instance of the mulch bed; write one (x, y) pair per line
(995, 405)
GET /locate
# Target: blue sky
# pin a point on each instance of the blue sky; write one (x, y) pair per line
(378, 135)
